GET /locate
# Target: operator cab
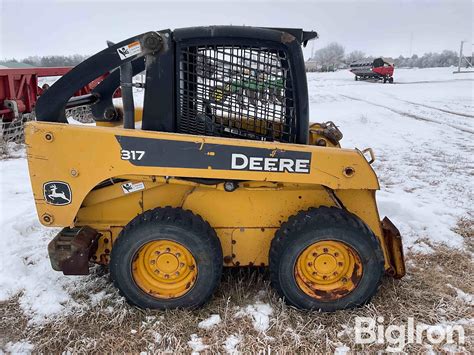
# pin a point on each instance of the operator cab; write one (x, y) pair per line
(226, 81)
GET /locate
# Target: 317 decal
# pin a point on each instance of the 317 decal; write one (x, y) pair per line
(132, 154)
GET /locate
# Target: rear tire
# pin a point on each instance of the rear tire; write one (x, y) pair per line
(167, 258)
(330, 232)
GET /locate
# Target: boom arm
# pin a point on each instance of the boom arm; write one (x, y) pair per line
(52, 104)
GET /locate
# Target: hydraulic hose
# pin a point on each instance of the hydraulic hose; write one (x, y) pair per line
(126, 76)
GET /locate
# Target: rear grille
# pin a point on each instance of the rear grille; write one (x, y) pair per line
(235, 91)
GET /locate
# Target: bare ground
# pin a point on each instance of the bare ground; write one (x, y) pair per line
(428, 293)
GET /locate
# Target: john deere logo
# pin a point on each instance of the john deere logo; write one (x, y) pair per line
(57, 193)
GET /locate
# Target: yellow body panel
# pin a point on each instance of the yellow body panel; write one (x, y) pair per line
(245, 219)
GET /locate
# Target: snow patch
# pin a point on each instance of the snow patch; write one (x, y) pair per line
(210, 322)
(157, 337)
(341, 350)
(25, 268)
(21, 347)
(260, 314)
(196, 344)
(462, 296)
(231, 342)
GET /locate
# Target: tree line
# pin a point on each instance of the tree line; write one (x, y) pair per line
(333, 57)
(329, 58)
(49, 60)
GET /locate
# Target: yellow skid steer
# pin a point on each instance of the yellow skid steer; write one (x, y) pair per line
(220, 168)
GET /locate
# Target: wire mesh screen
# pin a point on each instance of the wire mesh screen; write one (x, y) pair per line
(236, 91)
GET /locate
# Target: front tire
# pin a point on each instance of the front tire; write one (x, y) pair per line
(325, 259)
(167, 258)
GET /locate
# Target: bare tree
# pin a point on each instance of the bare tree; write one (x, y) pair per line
(329, 57)
(354, 56)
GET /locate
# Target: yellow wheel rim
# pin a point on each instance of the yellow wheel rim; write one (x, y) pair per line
(328, 270)
(164, 269)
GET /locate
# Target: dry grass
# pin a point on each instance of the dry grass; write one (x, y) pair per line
(465, 228)
(11, 150)
(13, 322)
(112, 325)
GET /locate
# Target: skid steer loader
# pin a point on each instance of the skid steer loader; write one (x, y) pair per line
(220, 168)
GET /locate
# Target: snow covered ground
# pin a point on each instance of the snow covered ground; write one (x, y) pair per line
(421, 129)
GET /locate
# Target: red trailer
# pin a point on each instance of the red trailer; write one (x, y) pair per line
(378, 68)
(19, 90)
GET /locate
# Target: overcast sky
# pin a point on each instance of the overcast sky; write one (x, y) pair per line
(383, 27)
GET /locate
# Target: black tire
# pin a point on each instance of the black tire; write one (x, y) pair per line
(356, 78)
(390, 80)
(317, 224)
(182, 227)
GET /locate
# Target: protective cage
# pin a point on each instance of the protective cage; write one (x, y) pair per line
(235, 90)
(230, 81)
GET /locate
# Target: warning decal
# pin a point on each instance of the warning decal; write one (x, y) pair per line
(131, 187)
(129, 50)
